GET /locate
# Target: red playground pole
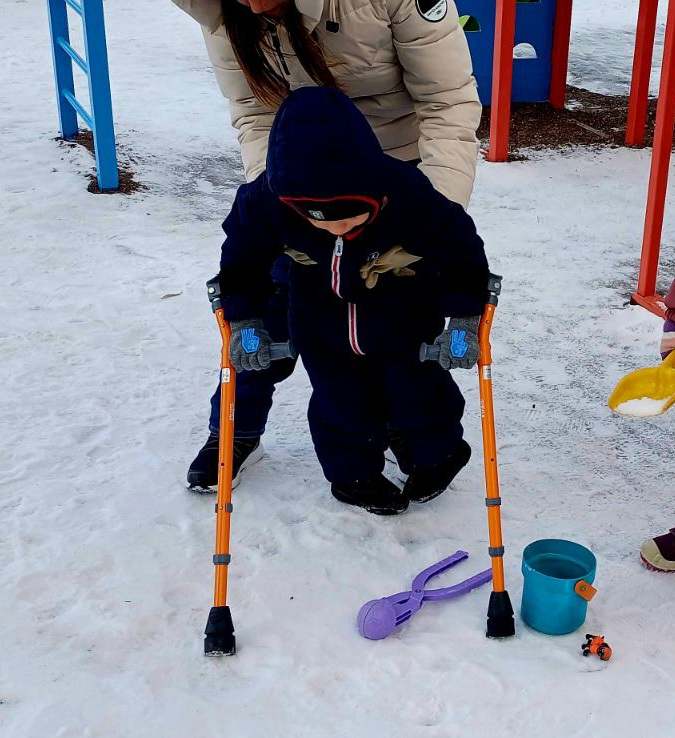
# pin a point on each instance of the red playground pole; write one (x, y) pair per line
(642, 69)
(502, 80)
(560, 53)
(658, 176)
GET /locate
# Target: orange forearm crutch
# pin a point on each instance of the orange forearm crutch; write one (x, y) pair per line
(219, 631)
(500, 623)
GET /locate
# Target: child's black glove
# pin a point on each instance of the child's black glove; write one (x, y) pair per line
(459, 343)
(249, 345)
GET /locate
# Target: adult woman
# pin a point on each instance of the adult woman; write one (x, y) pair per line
(406, 65)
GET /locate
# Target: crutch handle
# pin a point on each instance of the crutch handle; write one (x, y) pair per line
(278, 351)
(282, 350)
(430, 352)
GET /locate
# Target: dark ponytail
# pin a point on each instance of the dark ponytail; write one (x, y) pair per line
(249, 36)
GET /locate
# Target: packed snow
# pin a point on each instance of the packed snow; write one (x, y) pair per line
(109, 353)
(642, 407)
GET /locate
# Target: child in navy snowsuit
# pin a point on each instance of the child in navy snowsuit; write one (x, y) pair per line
(381, 258)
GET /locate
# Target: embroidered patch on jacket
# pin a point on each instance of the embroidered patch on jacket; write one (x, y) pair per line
(432, 10)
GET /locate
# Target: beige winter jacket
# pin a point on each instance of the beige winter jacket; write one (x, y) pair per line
(405, 63)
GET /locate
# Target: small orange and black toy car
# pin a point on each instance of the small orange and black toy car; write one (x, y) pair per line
(596, 644)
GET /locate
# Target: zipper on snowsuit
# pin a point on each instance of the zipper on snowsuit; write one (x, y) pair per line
(352, 316)
(335, 265)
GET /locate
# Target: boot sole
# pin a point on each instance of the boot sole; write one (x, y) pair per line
(651, 567)
(253, 458)
(370, 508)
(430, 497)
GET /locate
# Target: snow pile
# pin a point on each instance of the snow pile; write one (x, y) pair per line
(109, 353)
(644, 407)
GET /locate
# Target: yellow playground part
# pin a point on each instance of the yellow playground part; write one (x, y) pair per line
(646, 392)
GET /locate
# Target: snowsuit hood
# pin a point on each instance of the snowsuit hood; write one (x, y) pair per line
(321, 146)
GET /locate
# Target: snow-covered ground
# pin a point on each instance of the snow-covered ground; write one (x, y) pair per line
(602, 44)
(105, 560)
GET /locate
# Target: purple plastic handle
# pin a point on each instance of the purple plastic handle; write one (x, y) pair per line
(379, 618)
(420, 581)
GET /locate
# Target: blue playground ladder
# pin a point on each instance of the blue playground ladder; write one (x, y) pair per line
(95, 66)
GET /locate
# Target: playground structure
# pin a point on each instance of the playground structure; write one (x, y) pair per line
(543, 25)
(500, 114)
(507, 13)
(541, 31)
(646, 294)
(95, 67)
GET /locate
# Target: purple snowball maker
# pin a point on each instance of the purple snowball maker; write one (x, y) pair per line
(379, 618)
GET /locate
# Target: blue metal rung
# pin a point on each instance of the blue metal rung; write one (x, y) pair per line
(78, 108)
(94, 64)
(81, 63)
(75, 6)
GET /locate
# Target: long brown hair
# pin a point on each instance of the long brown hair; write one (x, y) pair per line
(249, 36)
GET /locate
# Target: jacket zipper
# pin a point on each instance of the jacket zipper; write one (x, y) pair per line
(335, 265)
(277, 47)
(332, 24)
(352, 315)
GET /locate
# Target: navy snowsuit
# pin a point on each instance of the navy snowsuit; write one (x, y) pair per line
(359, 346)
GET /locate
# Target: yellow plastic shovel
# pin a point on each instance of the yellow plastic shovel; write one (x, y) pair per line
(646, 392)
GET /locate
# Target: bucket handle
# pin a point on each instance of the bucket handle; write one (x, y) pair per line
(585, 590)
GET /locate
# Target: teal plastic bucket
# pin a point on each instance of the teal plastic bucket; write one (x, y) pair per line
(556, 590)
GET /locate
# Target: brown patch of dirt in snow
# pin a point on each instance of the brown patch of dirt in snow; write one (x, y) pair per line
(588, 119)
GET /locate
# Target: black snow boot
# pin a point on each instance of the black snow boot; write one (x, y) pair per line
(202, 475)
(377, 495)
(427, 482)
